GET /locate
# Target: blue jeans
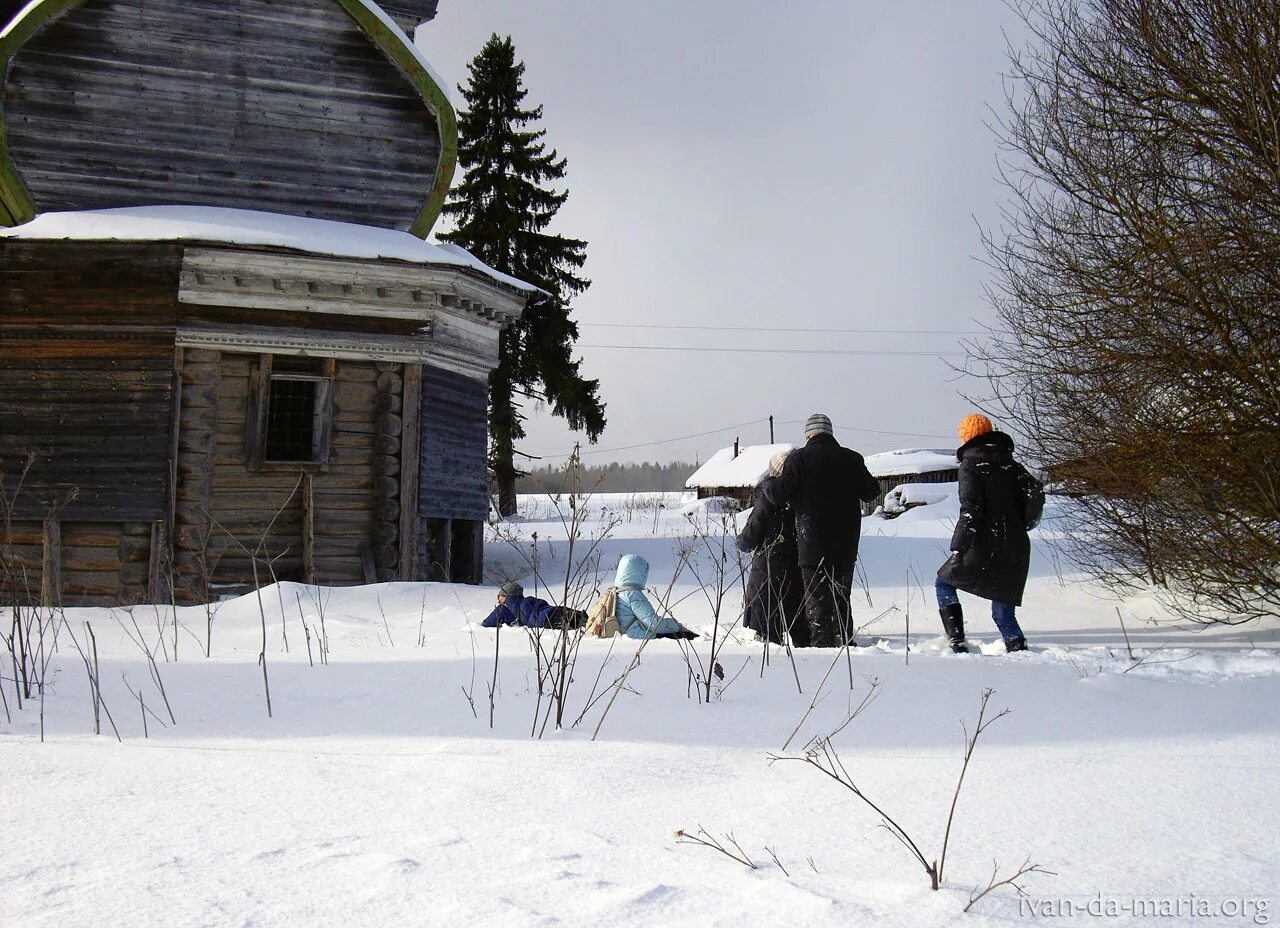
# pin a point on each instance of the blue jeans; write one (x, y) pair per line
(1003, 615)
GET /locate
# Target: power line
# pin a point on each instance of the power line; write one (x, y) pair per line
(839, 351)
(850, 428)
(750, 328)
(729, 428)
(666, 441)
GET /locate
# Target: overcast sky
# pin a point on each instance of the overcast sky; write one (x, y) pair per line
(815, 165)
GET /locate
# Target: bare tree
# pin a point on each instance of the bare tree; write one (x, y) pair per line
(1137, 280)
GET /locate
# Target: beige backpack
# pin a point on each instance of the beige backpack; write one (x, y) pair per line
(602, 620)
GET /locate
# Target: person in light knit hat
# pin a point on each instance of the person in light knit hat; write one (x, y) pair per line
(774, 594)
(990, 551)
(825, 485)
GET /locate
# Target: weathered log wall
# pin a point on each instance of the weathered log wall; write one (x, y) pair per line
(284, 107)
(72, 563)
(86, 378)
(264, 513)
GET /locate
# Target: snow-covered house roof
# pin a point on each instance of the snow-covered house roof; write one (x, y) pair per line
(724, 470)
(250, 227)
(911, 461)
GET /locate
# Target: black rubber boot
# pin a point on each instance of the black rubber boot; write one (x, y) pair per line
(953, 625)
(1015, 644)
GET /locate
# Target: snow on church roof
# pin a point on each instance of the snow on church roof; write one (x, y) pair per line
(724, 470)
(250, 227)
(911, 461)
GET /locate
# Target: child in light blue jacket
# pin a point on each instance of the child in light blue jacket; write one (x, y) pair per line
(636, 615)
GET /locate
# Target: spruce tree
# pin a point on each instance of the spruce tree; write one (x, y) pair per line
(500, 212)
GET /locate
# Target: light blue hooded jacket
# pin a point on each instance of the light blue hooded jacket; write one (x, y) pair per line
(636, 616)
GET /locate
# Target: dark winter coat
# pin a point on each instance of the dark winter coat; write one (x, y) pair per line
(825, 484)
(990, 550)
(775, 591)
(528, 611)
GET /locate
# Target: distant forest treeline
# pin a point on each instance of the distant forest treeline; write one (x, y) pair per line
(609, 478)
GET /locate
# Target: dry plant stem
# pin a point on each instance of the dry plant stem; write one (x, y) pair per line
(776, 861)
(715, 588)
(872, 693)
(383, 612)
(257, 587)
(96, 692)
(284, 620)
(151, 659)
(262, 654)
(620, 685)
(907, 649)
(706, 840)
(823, 757)
(305, 630)
(90, 659)
(469, 692)
(1146, 658)
(993, 883)
(971, 742)
(816, 694)
(493, 686)
(145, 709)
(422, 619)
(1127, 644)
(4, 700)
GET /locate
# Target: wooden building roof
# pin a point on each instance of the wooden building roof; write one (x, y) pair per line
(318, 108)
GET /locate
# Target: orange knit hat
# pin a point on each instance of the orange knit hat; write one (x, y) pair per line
(973, 425)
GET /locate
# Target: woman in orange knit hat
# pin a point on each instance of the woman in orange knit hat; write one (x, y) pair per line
(990, 551)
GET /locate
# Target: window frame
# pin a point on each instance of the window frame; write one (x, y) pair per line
(262, 375)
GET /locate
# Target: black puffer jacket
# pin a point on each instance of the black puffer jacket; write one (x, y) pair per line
(825, 484)
(775, 589)
(990, 551)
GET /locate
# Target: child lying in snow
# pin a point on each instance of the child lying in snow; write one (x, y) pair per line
(514, 608)
(636, 616)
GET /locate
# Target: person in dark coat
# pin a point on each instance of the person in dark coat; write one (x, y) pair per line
(514, 608)
(825, 485)
(774, 594)
(990, 550)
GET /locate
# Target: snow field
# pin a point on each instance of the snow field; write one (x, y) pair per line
(374, 796)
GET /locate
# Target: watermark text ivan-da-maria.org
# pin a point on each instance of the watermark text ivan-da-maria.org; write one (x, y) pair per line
(1247, 910)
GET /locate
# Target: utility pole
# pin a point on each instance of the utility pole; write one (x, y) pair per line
(771, 430)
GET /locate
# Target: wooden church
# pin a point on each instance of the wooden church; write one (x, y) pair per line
(227, 353)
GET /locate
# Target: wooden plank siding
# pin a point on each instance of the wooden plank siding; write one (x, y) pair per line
(285, 107)
(453, 469)
(86, 378)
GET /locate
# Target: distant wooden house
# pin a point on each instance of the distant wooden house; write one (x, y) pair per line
(276, 379)
(911, 465)
(734, 472)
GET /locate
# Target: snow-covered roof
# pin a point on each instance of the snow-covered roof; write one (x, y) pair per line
(250, 227)
(911, 461)
(724, 470)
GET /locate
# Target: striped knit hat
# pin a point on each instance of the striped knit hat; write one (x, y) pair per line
(973, 425)
(817, 424)
(776, 462)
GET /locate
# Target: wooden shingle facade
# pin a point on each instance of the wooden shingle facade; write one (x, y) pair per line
(274, 379)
